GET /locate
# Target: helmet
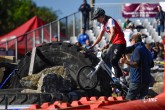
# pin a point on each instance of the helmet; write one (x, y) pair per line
(97, 13)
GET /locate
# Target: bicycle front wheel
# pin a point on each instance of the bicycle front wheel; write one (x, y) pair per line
(85, 79)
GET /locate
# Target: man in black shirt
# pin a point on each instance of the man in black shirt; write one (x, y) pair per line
(85, 9)
(160, 17)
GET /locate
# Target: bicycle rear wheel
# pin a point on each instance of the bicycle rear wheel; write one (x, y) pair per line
(85, 79)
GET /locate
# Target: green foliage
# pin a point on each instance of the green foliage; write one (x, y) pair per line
(14, 13)
(46, 14)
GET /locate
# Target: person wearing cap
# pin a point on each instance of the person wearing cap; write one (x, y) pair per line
(83, 38)
(116, 39)
(55, 38)
(140, 63)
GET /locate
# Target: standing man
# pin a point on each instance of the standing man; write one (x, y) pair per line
(116, 38)
(85, 10)
(140, 63)
(160, 17)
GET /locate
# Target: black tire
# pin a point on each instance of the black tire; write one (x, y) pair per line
(84, 82)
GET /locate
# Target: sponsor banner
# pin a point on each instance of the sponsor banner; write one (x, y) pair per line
(139, 10)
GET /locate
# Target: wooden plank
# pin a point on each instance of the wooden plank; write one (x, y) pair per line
(32, 61)
(9, 59)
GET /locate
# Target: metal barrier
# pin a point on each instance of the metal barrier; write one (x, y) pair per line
(64, 28)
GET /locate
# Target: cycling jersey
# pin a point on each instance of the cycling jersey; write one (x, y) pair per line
(118, 38)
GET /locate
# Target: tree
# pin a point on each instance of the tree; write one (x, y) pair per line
(13, 13)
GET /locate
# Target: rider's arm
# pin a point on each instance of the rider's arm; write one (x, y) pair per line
(98, 38)
(112, 32)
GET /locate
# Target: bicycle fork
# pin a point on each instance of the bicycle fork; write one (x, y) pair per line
(92, 73)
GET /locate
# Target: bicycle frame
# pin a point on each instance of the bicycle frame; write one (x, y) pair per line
(104, 66)
(89, 75)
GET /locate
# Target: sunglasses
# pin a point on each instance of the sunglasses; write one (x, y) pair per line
(130, 40)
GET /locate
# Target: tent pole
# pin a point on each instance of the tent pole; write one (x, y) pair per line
(16, 50)
(42, 36)
(74, 27)
(50, 32)
(34, 39)
(58, 30)
(81, 20)
(6, 47)
(25, 43)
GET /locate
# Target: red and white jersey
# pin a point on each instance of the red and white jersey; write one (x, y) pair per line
(119, 35)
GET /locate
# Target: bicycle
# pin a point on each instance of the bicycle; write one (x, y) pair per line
(9, 76)
(87, 77)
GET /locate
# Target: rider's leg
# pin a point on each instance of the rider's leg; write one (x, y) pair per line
(116, 67)
(116, 53)
(106, 57)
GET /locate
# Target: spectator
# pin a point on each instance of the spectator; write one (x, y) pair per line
(161, 52)
(55, 38)
(160, 17)
(139, 27)
(116, 38)
(163, 41)
(140, 63)
(128, 24)
(153, 52)
(156, 49)
(128, 28)
(85, 10)
(83, 39)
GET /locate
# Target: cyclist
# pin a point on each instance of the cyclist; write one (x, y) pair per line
(116, 38)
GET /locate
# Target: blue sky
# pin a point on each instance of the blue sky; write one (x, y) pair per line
(68, 7)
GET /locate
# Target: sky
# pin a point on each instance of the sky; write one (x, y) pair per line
(68, 7)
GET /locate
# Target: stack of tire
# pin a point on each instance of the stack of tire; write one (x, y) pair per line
(58, 54)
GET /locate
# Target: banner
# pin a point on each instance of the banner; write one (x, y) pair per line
(139, 10)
